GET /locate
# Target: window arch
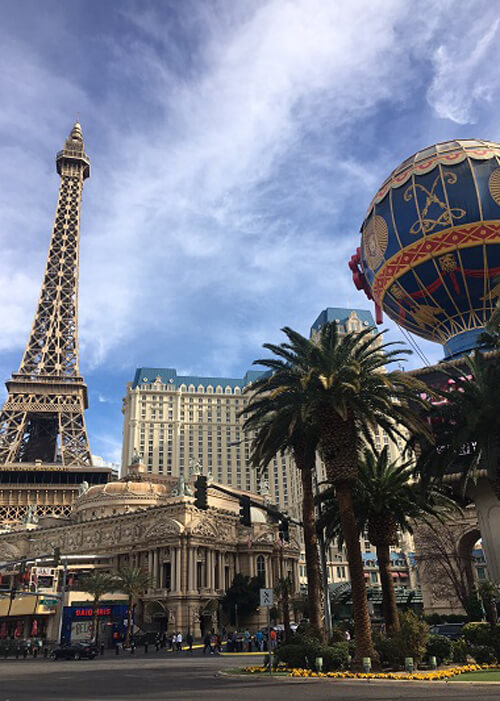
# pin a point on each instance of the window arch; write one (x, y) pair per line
(261, 567)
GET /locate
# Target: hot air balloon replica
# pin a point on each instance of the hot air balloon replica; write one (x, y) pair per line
(430, 259)
(430, 243)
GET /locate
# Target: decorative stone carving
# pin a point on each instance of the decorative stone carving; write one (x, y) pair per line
(161, 528)
(205, 528)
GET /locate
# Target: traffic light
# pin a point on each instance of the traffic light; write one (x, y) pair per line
(200, 492)
(245, 518)
(284, 530)
(57, 557)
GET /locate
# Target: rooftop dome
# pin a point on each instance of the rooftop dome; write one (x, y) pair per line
(132, 493)
(430, 243)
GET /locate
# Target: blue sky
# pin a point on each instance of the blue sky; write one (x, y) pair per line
(235, 147)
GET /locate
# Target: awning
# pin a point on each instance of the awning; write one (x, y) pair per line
(20, 606)
(395, 575)
(403, 574)
(366, 575)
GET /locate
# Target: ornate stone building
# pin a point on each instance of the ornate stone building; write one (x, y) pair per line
(192, 556)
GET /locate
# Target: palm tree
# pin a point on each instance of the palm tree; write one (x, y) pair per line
(274, 416)
(386, 498)
(346, 394)
(97, 584)
(490, 337)
(132, 581)
(469, 418)
(489, 594)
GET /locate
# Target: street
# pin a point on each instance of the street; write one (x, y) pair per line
(171, 676)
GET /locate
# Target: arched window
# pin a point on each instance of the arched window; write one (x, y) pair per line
(261, 567)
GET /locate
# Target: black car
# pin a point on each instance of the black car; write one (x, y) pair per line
(453, 631)
(74, 651)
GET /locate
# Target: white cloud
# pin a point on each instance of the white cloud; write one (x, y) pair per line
(466, 70)
(224, 151)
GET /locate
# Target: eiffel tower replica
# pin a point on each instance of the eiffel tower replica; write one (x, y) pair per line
(44, 449)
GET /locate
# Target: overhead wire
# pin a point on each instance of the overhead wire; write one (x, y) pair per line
(414, 345)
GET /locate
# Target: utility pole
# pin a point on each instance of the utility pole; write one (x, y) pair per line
(63, 592)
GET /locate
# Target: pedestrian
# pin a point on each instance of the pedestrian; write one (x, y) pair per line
(189, 640)
(171, 642)
(259, 639)
(234, 639)
(179, 641)
(272, 639)
(206, 643)
(246, 639)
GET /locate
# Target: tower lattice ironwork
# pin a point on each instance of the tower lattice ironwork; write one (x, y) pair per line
(43, 416)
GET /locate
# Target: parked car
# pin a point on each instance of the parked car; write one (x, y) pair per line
(453, 631)
(74, 651)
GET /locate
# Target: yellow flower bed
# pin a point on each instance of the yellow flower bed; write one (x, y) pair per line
(435, 675)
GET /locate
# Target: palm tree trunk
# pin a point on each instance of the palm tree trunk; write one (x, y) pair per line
(389, 607)
(362, 626)
(94, 620)
(129, 622)
(312, 556)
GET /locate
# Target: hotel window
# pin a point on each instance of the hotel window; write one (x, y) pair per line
(261, 567)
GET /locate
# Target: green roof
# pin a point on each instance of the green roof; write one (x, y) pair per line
(341, 315)
(169, 376)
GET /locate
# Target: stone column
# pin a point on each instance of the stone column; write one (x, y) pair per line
(210, 569)
(176, 568)
(220, 567)
(296, 580)
(488, 513)
(150, 568)
(155, 569)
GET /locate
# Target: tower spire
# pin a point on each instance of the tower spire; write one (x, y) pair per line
(42, 418)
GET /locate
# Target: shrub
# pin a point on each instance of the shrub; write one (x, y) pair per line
(459, 651)
(337, 636)
(410, 641)
(389, 652)
(433, 619)
(454, 618)
(483, 654)
(292, 655)
(477, 633)
(334, 656)
(412, 636)
(439, 646)
(303, 654)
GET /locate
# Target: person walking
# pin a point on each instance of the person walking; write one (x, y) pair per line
(213, 642)
(189, 640)
(206, 643)
(259, 639)
(179, 641)
(272, 639)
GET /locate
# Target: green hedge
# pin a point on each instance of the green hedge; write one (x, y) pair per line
(302, 652)
(440, 647)
(483, 654)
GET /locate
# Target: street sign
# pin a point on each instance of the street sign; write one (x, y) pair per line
(266, 597)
